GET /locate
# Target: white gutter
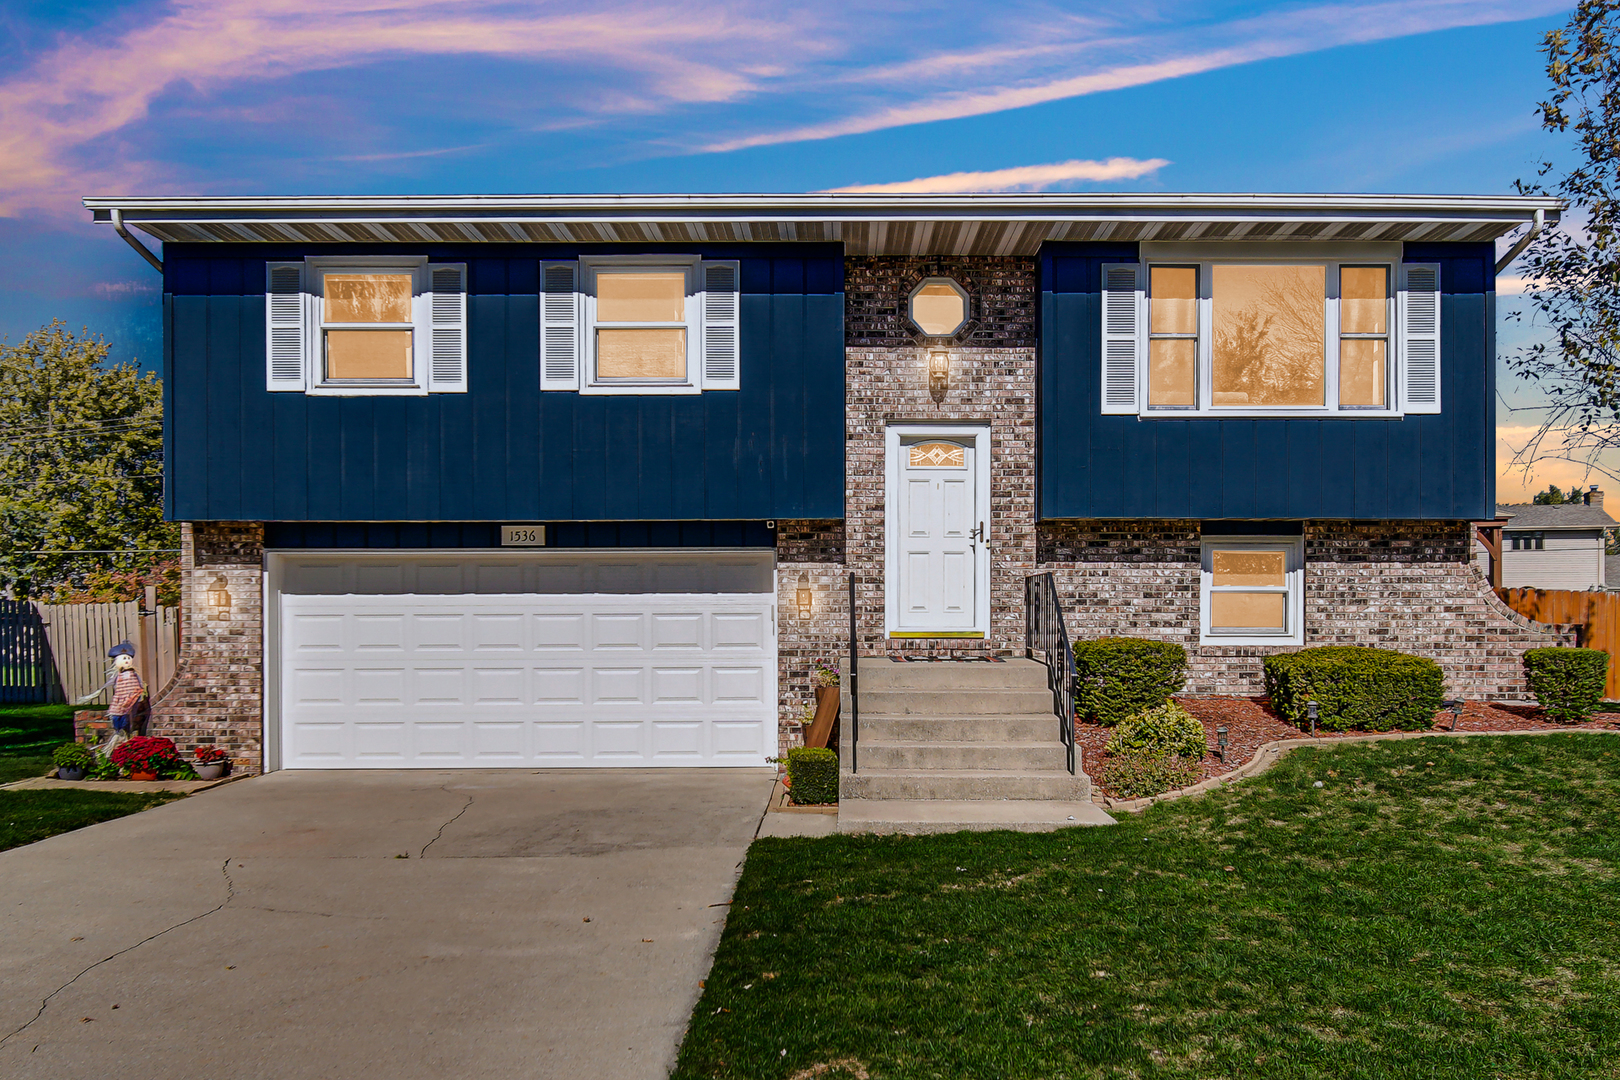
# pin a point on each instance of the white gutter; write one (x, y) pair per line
(146, 253)
(1524, 241)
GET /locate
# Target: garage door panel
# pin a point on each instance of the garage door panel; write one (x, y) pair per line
(677, 630)
(677, 685)
(463, 676)
(618, 630)
(559, 686)
(499, 686)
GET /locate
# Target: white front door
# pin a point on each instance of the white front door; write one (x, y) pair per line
(938, 521)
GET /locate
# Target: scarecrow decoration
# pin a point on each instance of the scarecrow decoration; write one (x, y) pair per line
(128, 696)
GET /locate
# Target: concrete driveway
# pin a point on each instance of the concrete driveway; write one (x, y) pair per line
(386, 924)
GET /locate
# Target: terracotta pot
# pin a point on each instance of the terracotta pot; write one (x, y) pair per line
(133, 775)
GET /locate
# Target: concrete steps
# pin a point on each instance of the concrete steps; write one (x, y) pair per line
(968, 745)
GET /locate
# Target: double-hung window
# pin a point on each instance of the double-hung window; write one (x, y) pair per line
(1253, 591)
(1197, 330)
(366, 326)
(629, 324)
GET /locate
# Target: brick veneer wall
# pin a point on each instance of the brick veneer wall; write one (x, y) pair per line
(1407, 585)
(217, 693)
(992, 382)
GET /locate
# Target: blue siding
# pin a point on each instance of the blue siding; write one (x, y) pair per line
(504, 451)
(1096, 466)
(484, 534)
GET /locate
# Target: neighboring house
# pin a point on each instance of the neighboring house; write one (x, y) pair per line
(582, 480)
(1555, 547)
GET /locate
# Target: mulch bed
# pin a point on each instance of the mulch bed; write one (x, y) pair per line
(1250, 724)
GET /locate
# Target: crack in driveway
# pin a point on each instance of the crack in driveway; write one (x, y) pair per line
(230, 893)
(447, 824)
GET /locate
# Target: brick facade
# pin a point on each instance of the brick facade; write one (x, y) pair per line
(217, 693)
(1406, 585)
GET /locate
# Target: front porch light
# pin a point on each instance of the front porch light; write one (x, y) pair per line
(219, 594)
(939, 373)
(805, 598)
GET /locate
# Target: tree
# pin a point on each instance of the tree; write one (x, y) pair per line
(1573, 269)
(1553, 496)
(81, 460)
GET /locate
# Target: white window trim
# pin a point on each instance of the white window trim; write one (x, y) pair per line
(692, 267)
(421, 326)
(1295, 546)
(1331, 256)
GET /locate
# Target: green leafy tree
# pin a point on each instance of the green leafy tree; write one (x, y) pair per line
(81, 459)
(1573, 269)
(1553, 496)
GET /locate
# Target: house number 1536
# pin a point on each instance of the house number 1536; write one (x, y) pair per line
(523, 536)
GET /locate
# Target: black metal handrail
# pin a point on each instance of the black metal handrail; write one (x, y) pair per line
(851, 679)
(1047, 640)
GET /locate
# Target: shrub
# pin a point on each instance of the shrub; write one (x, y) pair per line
(1136, 774)
(812, 775)
(1167, 729)
(1121, 676)
(73, 756)
(1568, 683)
(1356, 689)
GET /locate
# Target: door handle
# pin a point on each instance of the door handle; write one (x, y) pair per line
(977, 534)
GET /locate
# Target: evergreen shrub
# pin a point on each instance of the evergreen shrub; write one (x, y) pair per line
(1356, 689)
(812, 775)
(1568, 683)
(1119, 677)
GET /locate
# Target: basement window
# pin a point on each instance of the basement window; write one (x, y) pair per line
(1253, 591)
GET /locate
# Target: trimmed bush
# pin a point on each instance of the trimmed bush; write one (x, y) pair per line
(812, 775)
(1137, 774)
(73, 756)
(1120, 676)
(1356, 689)
(1568, 683)
(1168, 729)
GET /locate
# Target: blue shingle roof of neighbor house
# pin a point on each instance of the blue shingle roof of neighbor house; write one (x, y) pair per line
(1567, 516)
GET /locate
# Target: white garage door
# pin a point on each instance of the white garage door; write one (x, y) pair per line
(536, 659)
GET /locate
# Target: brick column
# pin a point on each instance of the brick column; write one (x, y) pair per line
(217, 695)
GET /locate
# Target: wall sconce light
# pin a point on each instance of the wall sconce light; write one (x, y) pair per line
(804, 596)
(1310, 711)
(1220, 743)
(939, 373)
(219, 594)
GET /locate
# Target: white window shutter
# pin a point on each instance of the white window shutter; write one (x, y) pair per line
(1121, 343)
(286, 339)
(722, 345)
(447, 328)
(560, 329)
(1420, 337)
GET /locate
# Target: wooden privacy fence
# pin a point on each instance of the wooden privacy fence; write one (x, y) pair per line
(26, 672)
(1597, 614)
(80, 635)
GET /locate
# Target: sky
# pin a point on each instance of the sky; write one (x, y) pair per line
(314, 97)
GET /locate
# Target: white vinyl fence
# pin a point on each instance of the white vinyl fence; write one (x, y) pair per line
(81, 634)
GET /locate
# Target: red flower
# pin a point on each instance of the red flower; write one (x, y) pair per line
(209, 755)
(146, 753)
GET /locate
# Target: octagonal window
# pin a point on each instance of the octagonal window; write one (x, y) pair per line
(939, 306)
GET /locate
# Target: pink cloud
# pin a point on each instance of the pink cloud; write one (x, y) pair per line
(85, 90)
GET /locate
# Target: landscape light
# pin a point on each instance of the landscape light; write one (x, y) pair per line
(1456, 708)
(1310, 711)
(1220, 742)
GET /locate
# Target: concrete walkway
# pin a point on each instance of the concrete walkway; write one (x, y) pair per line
(388, 924)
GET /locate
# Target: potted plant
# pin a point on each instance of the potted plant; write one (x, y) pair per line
(72, 760)
(146, 757)
(211, 764)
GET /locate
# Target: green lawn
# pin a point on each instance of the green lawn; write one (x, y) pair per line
(28, 734)
(1440, 908)
(26, 816)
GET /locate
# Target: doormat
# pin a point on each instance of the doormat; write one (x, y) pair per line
(902, 658)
